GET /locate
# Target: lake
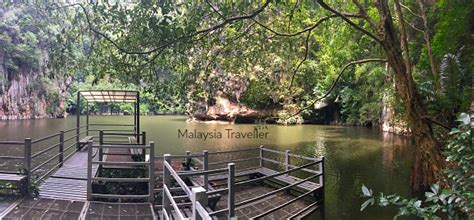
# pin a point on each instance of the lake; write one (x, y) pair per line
(353, 155)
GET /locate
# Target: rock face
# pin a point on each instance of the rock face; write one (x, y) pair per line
(31, 96)
(225, 110)
(27, 86)
(391, 123)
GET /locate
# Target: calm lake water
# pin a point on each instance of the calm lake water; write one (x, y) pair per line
(353, 155)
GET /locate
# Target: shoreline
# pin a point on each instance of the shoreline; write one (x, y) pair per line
(381, 127)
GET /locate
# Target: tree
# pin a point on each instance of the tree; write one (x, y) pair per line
(136, 38)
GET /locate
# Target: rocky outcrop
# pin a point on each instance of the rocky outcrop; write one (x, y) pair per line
(391, 122)
(225, 110)
(29, 88)
(31, 95)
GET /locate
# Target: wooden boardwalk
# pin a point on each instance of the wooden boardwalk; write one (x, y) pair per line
(70, 181)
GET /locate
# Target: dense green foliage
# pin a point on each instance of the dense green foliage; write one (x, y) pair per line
(23, 38)
(165, 50)
(160, 48)
(453, 195)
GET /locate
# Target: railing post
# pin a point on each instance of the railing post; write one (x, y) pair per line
(78, 119)
(143, 138)
(231, 194)
(166, 183)
(188, 161)
(287, 160)
(261, 155)
(27, 163)
(198, 194)
(321, 169)
(101, 150)
(322, 181)
(206, 167)
(151, 187)
(144, 143)
(61, 148)
(89, 170)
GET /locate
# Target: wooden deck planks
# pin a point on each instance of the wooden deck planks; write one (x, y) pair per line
(70, 181)
(308, 185)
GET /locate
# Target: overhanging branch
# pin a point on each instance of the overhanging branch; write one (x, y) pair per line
(233, 19)
(306, 51)
(337, 80)
(345, 18)
(310, 28)
(168, 44)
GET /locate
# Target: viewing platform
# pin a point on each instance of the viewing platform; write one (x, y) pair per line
(99, 171)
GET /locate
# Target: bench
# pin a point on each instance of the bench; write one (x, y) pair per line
(19, 181)
(137, 153)
(83, 141)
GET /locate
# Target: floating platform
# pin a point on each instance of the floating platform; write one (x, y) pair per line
(258, 183)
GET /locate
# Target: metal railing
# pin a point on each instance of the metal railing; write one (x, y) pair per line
(117, 129)
(197, 195)
(39, 162)
(100, 162)
(198, 203)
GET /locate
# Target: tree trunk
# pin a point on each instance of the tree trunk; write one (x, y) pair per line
(428, 159)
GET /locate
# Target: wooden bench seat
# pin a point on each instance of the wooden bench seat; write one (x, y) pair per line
(83, 141)
(19, 181)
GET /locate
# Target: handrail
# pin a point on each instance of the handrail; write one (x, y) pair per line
(218, 211)
(165, 215)
(12, 157)
(291, 154)
(121, 134)
(45, 150)
(273, 161)
(263, 178)
(119, 196)
(73, 129)
(235, 161)
(124, 125)
(202, 211)
(150, 179)
(177, 178)
(45, 162)
(120, 163)
(233, 151)
(173, 203)
(12, 142)
(140, 146)
(134, 180)
(199, 210)
(182, 156)
(276, 191)
(273, 151)
(70, 138)
(277, 174)
(45, 138)
(285, 204)
(203, 172)
(70, 146)
(305, 209)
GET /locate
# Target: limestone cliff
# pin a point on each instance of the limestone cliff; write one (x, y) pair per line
(28, 87)
(30, 95)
